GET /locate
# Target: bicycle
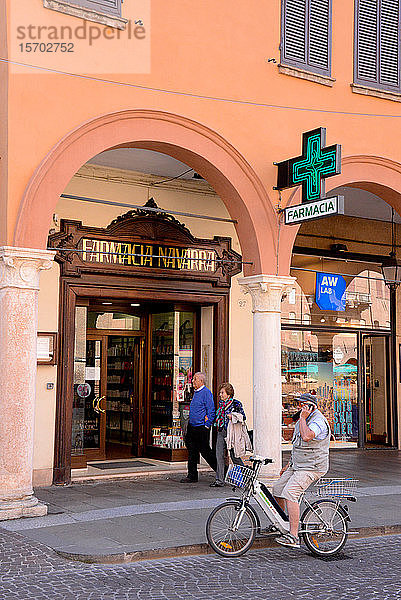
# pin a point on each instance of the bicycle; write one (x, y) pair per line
(232, 526)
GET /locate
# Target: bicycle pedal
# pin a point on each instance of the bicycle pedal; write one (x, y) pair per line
(271, 530)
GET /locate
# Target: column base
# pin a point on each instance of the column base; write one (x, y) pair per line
(27, 506)
(269, 473)
(269, 480)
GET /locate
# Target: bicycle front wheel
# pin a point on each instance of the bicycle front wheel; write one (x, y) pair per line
(324, 527)
(229, 533)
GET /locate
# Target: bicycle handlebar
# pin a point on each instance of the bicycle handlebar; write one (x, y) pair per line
(261, 459)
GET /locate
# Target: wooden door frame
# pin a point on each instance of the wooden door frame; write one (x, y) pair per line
(156, 290)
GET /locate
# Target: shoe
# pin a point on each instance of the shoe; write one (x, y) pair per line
(188, 480)
(288, 540)
(216, 484)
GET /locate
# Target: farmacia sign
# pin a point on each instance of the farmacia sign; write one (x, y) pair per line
(310, 170)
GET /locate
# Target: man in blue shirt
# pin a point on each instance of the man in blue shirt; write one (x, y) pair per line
(201, 416)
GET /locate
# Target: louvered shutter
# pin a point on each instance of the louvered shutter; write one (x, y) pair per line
(112, 7)
(294, 33)
(378, 43)
(389, 42)
(319, 25)
(306, 34)
(367, 40)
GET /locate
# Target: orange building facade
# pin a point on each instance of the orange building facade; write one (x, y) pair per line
(217, 87)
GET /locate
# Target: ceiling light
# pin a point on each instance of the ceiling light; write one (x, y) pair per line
(338, 248)
(135, 304)
(322, 320)
(107, 303)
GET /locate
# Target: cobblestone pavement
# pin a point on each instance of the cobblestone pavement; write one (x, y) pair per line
(369, 568)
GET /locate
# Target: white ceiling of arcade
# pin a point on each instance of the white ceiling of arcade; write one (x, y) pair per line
(358, 203)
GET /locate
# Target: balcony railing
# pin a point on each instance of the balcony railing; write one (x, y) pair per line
(354, 299)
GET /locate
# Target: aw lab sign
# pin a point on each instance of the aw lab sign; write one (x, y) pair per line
(330, 291)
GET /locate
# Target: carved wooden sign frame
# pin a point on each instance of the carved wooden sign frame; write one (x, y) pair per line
(149, 244)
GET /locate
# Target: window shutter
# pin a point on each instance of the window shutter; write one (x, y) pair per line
(306, 33)
(389, 42)
(367, 37)
(104, 6)
(378, 43)
(295, 30)
(319, 24)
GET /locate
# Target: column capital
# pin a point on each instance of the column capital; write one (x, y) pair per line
(21, 267)
(266, 291)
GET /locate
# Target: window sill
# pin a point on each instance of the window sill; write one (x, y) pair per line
(86, 13)
(308, 75)
(375, 92)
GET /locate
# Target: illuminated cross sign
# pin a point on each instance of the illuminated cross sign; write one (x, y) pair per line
(311, 169)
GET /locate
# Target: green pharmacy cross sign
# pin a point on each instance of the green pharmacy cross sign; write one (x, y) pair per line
(310, 170)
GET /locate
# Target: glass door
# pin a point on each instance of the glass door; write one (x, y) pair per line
(124, 426)
(88, 415)
(377, 395)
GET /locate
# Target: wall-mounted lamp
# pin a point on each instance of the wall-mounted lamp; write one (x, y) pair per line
(390, 267)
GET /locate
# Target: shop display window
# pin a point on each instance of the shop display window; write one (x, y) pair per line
(171, 378)
(367, 298)
(325, 364)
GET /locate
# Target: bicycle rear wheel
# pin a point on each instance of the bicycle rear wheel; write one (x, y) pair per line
(220, 533)
(326, 527)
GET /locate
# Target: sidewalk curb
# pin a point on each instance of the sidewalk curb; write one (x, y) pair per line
(193, 549)
(156, 475)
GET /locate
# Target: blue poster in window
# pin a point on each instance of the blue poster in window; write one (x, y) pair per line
(330, 291)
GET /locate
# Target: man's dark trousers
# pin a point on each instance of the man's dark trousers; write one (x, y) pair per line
(197, 441)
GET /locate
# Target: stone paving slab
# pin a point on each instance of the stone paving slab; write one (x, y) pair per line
(366, 569)
(125, 516)
(149, 528)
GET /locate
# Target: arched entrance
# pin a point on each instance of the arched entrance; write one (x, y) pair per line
(380, 176)
(203, 149)
(349, 358)
(209, 154)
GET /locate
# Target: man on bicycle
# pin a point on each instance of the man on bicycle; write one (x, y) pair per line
(309, 461)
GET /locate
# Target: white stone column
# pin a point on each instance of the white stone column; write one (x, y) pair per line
(19, 284)
(267, 292)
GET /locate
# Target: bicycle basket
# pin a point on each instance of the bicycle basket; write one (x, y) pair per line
(239, 476)
(336, 487)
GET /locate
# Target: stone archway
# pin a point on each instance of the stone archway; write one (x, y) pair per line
(188, 141)
(374, 174)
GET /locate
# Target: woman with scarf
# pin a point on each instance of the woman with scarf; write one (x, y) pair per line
(227, 405)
